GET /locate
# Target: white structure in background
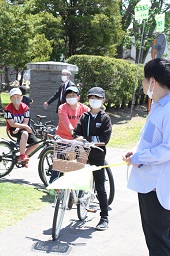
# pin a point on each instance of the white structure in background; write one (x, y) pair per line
(130, 54)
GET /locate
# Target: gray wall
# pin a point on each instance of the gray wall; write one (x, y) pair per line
(45, 79)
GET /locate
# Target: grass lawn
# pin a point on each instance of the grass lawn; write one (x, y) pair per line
(18, 201)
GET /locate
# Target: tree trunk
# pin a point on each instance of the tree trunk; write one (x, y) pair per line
(119, 51)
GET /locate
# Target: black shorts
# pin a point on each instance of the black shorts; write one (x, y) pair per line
(31, 137)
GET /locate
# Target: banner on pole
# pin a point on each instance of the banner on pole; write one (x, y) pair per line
(160, 22)
(141, 11)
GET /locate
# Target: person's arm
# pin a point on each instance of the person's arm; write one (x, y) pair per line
(55, 96)
(105, 130)
(20, 126)
(80, 131)
(63, 113)
(155, 153)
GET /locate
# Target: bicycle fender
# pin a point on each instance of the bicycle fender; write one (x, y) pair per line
(41, 153)
(13, 144)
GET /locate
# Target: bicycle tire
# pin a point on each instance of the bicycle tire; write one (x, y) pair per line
(45, 164)
(6, 158)
(60, 208)
(82, 209)
(109, 184)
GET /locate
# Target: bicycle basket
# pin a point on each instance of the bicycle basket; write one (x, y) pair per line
(69, 157)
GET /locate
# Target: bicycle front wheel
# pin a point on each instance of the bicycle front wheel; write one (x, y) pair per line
(109, 184)
(45, 164)
(6, 158)
(60, 208)
(83, 204)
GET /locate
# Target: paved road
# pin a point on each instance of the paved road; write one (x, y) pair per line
(32, 235)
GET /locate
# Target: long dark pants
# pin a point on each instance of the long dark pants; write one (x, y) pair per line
(156, 224)
(99, 179)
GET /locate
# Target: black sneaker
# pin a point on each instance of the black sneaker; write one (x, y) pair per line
(103, 224)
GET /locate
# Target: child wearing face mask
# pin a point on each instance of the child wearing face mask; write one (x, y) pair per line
(95, 126)
(17, 118)
(69, 113)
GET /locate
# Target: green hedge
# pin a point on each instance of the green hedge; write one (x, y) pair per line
(116, 76)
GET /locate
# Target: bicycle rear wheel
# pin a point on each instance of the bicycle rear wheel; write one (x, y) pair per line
(60, 208)
(6, 158)
(45, 164)
(109, 184)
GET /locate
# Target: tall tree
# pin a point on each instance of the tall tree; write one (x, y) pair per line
(89, 27)
(13, 36)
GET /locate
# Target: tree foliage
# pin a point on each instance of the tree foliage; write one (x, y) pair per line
(115, 76)
(127, 12)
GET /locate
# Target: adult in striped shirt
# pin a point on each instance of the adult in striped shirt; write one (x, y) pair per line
(150, 174)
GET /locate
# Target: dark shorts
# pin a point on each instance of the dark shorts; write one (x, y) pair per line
(31, 137)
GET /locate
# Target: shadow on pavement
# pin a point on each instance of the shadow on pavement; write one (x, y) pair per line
(67, 238)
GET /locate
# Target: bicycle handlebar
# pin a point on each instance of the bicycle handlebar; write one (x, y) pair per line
(84, 143)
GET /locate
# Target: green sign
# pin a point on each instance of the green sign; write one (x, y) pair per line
(141, 11)
(160, 21)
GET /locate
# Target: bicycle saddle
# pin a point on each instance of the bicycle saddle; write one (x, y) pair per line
(39, 116)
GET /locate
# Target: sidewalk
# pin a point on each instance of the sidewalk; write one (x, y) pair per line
(32, 235)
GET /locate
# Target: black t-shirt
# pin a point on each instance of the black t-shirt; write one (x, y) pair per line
(27, 100)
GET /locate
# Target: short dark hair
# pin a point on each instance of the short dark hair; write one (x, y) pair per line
(158, 68)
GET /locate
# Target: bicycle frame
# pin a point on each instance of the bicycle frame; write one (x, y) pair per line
(15, 147)
(42, 143)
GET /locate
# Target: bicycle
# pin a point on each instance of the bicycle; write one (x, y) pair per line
(9, 152)
(38, 128)
(45, 168)
(68, 157)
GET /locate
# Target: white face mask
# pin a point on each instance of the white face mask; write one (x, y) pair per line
(71, 101)
(64, 78)
(94, 103)
(16, 102)
(150, 93)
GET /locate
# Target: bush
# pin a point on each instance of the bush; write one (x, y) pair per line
(116, 76)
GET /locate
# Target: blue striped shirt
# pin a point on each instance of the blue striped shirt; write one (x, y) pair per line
(153, 154)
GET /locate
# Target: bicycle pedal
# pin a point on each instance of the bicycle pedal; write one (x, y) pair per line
(92, 210)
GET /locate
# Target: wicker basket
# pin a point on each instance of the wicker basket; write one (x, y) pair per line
(66, 166)
(68, 157)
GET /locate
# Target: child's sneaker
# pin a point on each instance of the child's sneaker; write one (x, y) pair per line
(23, 158)
(103, 224)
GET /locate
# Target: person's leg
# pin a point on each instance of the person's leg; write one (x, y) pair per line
(99, 179)
(156, 224)
(23, 142)
(54, 175)
(31, 140)
(22, 137)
